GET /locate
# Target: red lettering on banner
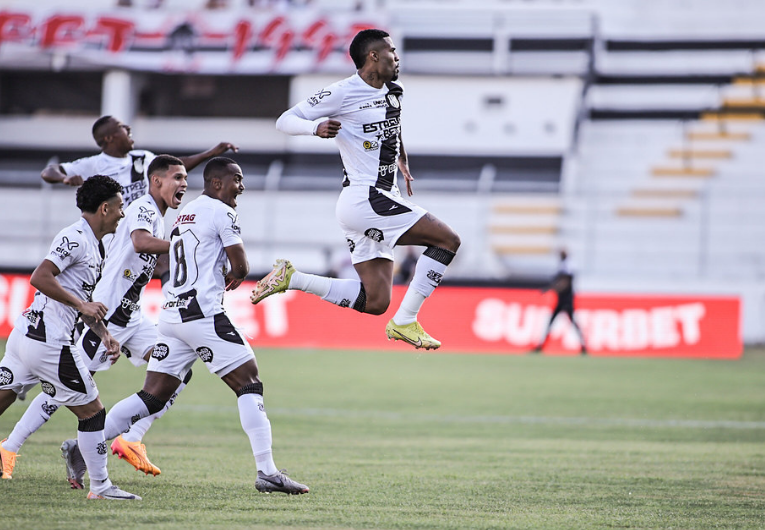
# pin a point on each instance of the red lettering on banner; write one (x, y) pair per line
(15, 27)
(242, 36)
(118, 32)
(61, 30)
(277, 34)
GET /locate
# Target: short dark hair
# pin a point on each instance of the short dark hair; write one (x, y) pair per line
(95, 191)
(215, 167)
(362, 43)
(98, 133)
(162, 162)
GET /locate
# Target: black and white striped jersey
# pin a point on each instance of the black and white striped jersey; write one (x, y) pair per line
(127, 272)
(79, 257)
(370, 137)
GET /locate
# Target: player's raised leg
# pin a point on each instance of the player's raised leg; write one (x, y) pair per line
(441, 244)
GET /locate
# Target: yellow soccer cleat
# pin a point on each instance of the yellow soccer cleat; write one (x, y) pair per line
(135, 454)
(412, 334)
(276, 281)
(7, 461)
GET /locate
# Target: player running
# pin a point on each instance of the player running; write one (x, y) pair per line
(40, 348)
(207, 257)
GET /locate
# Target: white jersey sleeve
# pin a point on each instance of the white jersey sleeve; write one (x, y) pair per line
(302, 118)
(83, 167)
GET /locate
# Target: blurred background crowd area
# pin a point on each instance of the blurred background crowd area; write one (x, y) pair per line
(628, 132)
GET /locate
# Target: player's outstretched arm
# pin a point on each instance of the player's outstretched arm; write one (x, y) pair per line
(192, 161)
(53, 174)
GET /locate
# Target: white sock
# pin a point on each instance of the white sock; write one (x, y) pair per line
(310, 283)
(337, 291)
(120, 417)
(38, 412)
(138, 429)
(409, 308)
(92, 444)
(255, 423)
(427, 276)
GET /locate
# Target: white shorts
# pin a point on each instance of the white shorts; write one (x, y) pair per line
(214, 340)
(373, 220)
(59, 369)
(135, 341)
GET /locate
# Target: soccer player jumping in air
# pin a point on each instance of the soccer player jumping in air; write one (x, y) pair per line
(364, 114)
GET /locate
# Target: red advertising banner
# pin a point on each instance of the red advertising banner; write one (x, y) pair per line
(472, 320)
(232, 41)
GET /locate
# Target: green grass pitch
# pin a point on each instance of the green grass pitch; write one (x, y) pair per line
(428, 441)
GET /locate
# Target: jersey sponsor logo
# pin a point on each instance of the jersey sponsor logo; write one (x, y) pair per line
(6, 376)
(186, 218)
(435, 277)
(161, 351)
(234, 222)
(351, 245)
(386, 169)
(88, 288)
(205, 354)
(377, 126)
(65, 248)
(345, 303)
(316, 98)
(373, 104)
(371, 146)
(128, 275)
(375, 234)
(48, 388)
(146, 214)
(101, 448)
(181, 303)
(130, 305)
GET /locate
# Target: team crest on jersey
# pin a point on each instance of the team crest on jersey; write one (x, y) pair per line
(205, 354)
(48, 388)
(6, 376)
(351, 245)
(375, 234)
(316, 98)
(32, 316)
(161, 351)
(371, 146)
(393, 101)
